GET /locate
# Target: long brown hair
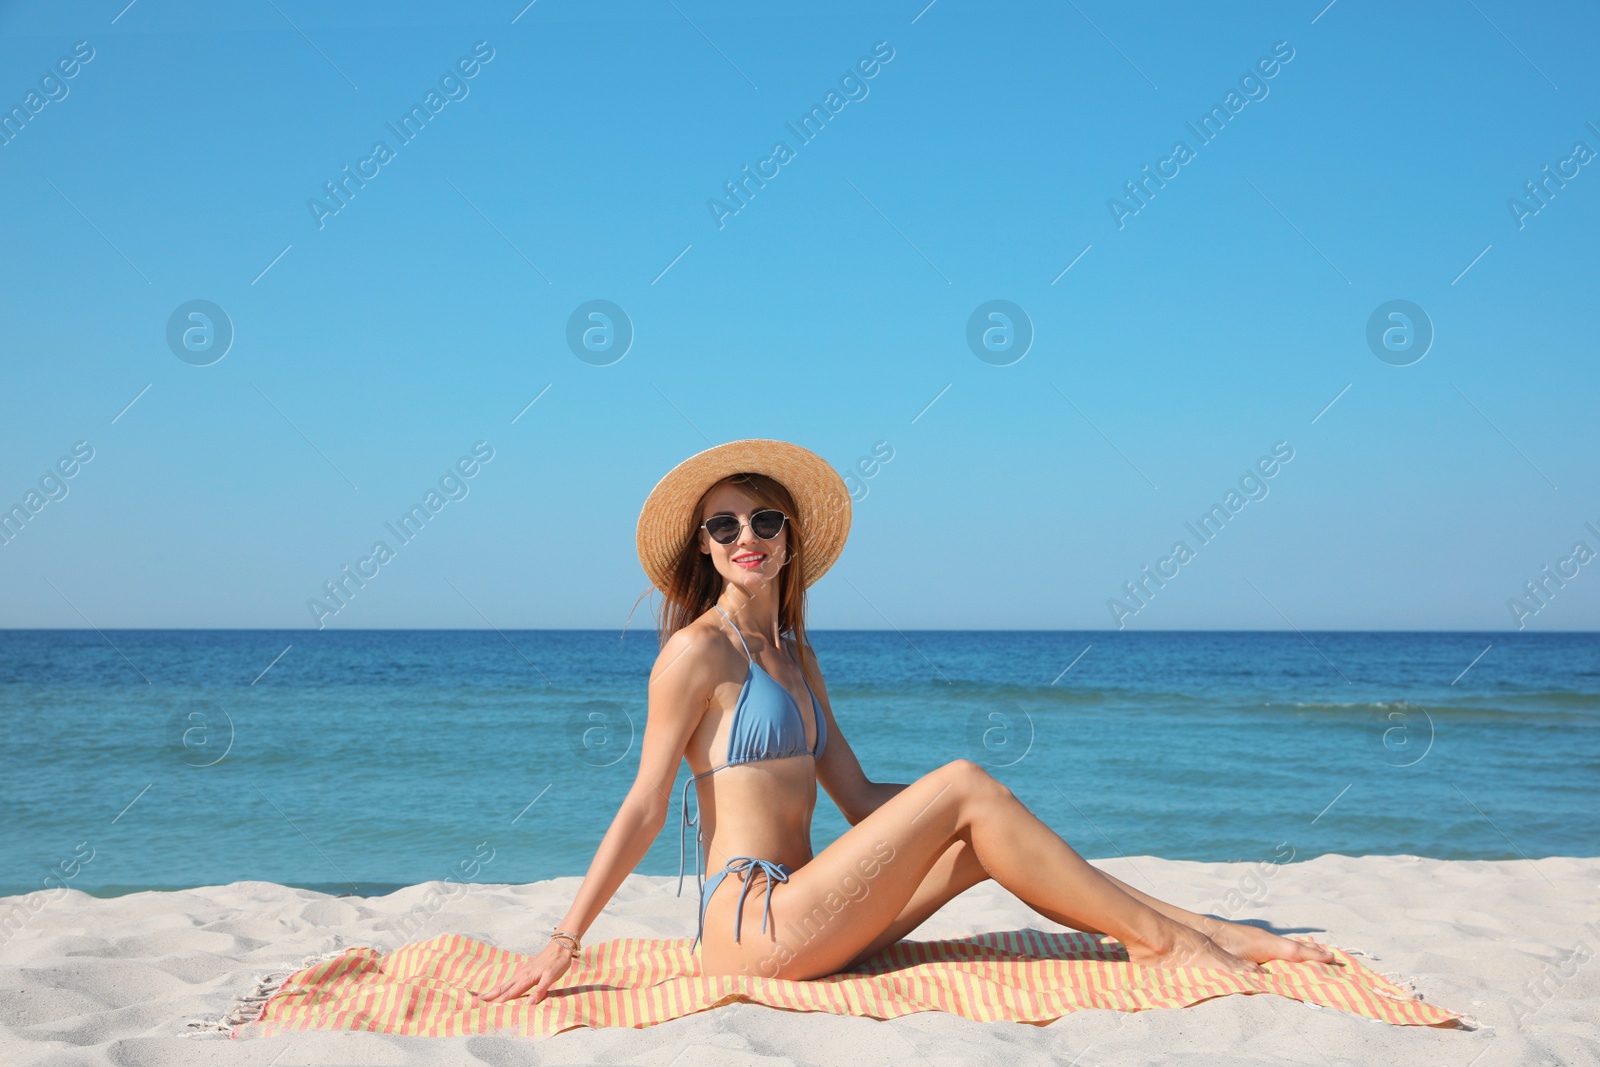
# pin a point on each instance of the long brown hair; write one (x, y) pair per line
(693, 585)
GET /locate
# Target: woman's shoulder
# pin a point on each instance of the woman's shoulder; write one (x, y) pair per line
(698, 646)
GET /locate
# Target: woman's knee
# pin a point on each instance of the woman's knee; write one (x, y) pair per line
(972, 779)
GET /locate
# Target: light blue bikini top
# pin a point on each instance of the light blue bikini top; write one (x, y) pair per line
(767, 725)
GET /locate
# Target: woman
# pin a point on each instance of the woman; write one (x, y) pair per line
(732, 537)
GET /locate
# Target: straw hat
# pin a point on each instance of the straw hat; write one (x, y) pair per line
(819, 494)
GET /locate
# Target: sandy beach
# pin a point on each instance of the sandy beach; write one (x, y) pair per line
(1509, 944)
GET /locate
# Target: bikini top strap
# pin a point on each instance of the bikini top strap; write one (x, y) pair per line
(735, 626)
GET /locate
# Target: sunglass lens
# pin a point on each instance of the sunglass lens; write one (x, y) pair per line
(724, 529)
(766, 524)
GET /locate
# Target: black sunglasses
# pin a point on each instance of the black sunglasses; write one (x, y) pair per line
(724, 529)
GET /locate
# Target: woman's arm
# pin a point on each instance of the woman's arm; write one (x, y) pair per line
(839, 772)
(877, 795)
(633, 829)
(680, 686)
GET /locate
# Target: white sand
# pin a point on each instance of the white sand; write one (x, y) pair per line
(91, 981)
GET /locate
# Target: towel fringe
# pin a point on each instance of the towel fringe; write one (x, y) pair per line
(1404, 982)
(1409, 984)
(247, 1007)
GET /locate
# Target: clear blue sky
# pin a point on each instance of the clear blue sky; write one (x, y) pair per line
(371, 351)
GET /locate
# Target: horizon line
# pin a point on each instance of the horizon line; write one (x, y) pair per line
(810, 629)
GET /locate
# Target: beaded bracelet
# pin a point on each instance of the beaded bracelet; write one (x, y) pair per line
(574, 945)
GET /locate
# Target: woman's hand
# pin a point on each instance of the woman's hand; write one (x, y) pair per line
(537, 974)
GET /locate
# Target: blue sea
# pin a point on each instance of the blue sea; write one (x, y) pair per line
(358, 762)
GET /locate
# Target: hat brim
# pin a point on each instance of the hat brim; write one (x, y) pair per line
(819, 494)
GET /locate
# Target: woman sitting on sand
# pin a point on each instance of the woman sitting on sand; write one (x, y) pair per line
(732, 537)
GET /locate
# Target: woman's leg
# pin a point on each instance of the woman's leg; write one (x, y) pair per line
(958, 869)
(850, 894)
(954, 872)
(1246, 942)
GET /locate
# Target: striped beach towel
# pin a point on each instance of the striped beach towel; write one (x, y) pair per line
(1024, 976)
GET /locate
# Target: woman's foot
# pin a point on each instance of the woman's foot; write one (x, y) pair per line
(1187, 947)
(1258, 945)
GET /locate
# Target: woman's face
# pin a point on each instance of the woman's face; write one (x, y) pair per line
(749, 562)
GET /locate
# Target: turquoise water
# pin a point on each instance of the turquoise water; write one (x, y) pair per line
(362, 761)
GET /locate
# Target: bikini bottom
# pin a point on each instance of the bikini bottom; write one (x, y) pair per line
(746, 865)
